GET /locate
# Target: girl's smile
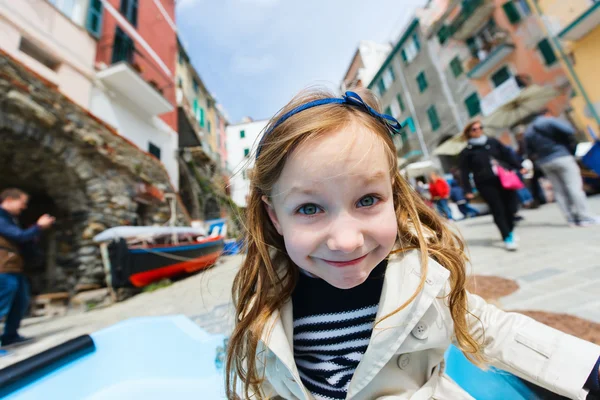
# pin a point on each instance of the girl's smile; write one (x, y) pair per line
(333, 205)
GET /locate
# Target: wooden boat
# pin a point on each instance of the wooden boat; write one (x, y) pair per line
(139, 256)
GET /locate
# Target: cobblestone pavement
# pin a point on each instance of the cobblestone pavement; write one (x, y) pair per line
(557, 268)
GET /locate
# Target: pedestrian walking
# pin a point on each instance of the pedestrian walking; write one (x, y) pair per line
(17, 246)
(440, 193)
(551, 143)
(353, 288)
(457, 195)
(483, 157)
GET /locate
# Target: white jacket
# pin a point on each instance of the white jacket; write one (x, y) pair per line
(405, 356)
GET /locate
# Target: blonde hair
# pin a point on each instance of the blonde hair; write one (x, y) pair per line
(267, 278)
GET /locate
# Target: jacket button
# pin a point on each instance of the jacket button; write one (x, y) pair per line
(403, 361)
(421, 331)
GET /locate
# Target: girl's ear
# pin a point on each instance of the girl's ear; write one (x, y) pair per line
(272, 214)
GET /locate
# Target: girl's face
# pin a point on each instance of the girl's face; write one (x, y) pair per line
(333, 206)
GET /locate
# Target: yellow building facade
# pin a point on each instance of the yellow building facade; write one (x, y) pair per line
(575, 25)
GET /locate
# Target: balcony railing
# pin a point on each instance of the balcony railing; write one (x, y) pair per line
(487, 50)
(473, 14)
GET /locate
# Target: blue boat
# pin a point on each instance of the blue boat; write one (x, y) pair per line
(170, 357)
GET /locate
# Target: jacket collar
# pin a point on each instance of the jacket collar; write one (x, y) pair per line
(401, 280)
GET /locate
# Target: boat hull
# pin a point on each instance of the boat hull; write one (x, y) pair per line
(137, 266)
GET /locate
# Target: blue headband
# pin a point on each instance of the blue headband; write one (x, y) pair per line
(350, 98)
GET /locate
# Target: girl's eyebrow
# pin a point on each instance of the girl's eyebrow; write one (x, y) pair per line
(364, 179)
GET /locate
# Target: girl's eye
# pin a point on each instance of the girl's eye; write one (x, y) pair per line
(309, 209)
(368, 201)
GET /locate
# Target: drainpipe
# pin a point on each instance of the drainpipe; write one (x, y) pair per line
(413, 112)
(557, 46)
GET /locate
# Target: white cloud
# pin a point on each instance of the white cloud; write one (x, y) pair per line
(253, 65)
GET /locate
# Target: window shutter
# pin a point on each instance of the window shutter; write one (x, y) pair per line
(501, 76)
(417, 42)
(511, 12)
(400, 102)
(443, 34)
(410, 123)
(93, 22)
(201, 117)
(433, 118)
(547, 52)
(381, 86)
(422, 81)
(456, 67)
(388, 111)
(403, 54)
(473, 105)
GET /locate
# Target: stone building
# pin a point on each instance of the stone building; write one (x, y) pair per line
(78, 168)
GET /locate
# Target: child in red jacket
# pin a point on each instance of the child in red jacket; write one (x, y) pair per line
(440, 193)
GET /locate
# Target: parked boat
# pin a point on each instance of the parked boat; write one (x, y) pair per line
(140, 255)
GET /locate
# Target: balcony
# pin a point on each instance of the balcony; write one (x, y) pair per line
(583, 25)
(473, 14)
(487, 50)
(504, 93)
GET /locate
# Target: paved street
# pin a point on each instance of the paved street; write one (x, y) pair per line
(557, 268)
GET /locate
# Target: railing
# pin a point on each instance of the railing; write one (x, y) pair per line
(484, 44)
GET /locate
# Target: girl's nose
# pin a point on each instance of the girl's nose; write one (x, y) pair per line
(345, 236)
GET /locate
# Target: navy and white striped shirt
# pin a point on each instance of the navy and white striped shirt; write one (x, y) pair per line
(332, 328)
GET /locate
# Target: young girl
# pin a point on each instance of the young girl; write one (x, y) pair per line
(353, 288)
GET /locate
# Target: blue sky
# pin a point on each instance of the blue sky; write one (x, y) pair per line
(254, 55)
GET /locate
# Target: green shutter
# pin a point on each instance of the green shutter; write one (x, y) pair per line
(242, 134)
(443, 34)
(246, 152)
(433, 118)
(94, 18)
(381, 87)
(388, 111)
(501, 76)
(512, 12)
(400, 102)
(473, 105)
(422, 81)
(547, 52)
(403, 54)
(410, 123)
(456, 67)
(201, 117)
(417, 41)
(392, 74)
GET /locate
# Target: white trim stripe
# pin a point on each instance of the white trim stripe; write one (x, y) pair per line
(324, 365)
(328, 318)
(335, 346)
(334, 333)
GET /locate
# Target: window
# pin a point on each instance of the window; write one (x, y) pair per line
(123, 47)
(208, 126)
(179, 82)
(40, 55)
(129, 8)
(456, 67)
(388, 110)
(547, 52)
(154, 150)
(180, 57)
(195, 85)
(433, 118)
(501, 76)
(93, 22)
(443, 34)
(242, 134)
(473, 105)
(512, 13)
(388, 77)
(395, 108)
(201, 117)
(400, 102)
(410, 51)
(524, 8)
(246, 152)
(422, 81)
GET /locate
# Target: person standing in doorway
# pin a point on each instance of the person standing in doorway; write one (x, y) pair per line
(16, 246)
(440, 193)
(551, 143)
(478, 158)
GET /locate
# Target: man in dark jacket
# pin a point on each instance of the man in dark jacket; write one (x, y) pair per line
(14, 246)
(548, 141)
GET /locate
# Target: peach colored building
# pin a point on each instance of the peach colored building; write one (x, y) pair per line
(53, 42)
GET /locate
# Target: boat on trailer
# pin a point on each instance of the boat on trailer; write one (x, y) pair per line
(140, 255)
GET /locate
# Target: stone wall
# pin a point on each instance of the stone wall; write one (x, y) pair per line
(51, 146)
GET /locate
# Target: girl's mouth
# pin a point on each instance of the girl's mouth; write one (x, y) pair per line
(346, 263)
